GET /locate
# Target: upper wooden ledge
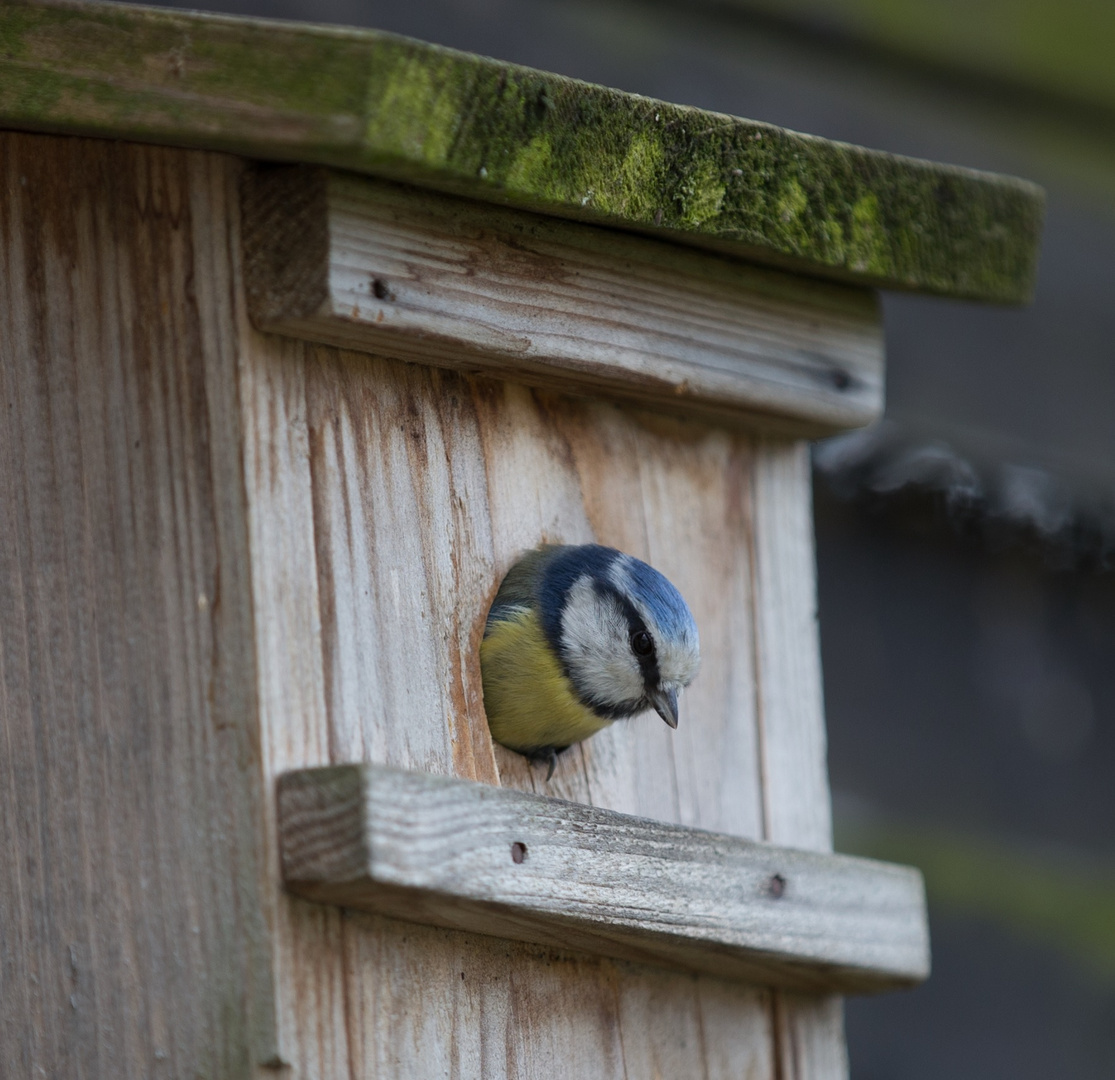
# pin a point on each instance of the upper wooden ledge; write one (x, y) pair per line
(387, 105)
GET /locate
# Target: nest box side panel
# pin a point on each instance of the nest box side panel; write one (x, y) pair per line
(132, 908)
(797, 806)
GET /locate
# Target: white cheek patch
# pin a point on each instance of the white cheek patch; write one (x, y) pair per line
(594, 641)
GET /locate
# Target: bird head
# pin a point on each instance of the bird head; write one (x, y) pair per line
(625, 636)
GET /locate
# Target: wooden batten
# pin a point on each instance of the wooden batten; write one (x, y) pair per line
(474, 857)
(372, 266)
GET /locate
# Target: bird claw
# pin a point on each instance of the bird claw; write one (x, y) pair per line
(545, 755)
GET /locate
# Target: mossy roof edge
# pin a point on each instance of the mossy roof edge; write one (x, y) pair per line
(386, 105)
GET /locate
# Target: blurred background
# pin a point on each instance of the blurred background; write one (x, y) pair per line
(966, 545)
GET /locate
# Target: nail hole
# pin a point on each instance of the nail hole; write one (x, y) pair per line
(841, 379)
(518, 852)
(776, 886)
(381, 291)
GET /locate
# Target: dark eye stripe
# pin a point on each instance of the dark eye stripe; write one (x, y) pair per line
(648, 661)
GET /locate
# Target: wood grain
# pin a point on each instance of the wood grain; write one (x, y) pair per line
(504, 1010)
(291, 568)
(796, 804)
(512, 865)
(392, 452)
(377, 267)
(133, 899)
(306, 939)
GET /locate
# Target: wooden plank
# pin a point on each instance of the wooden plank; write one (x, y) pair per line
(133, 911)
(366, 265)
(502, 133)
(447, 478)
(306, 938)
(503, 1010)
(809, 1036)
(797, 805)
(797, 810)
(512, 865)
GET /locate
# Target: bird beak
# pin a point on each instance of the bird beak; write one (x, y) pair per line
(665, 703)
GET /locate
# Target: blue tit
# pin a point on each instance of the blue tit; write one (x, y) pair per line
(577, 637)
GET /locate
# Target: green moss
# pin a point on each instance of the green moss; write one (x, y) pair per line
(867, 251)
(631, 187)
(398, 108)
(413, 114)
(704, 191)
(792, 204)
(531, 166)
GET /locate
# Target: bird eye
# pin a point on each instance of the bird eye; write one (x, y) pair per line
(641, 645)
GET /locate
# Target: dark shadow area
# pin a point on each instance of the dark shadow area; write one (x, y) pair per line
(997, 1005)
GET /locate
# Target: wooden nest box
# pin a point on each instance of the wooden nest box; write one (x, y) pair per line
(305, 334)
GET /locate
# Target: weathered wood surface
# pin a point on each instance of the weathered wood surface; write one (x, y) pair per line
(411, 468)
(447, 474)
(367, 265)
(292, 569)
(133, 926)
(528, 868)
(797, 810)
(502, 133)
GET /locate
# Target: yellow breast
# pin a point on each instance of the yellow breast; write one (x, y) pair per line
(529, 701)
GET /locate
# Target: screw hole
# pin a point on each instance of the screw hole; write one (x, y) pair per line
(776, 887)
(380, 290)
(841, 379)
(518, 852)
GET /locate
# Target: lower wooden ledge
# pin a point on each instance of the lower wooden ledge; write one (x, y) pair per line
(468, 856)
